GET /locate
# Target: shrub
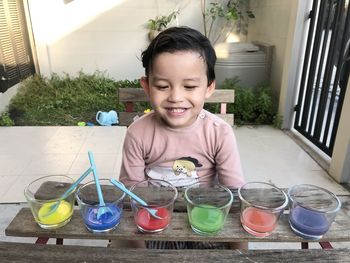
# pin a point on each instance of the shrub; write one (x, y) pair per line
(64, 100)
(253, 105)
(5, 119)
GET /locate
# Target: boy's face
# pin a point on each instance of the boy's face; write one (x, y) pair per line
(177, 87)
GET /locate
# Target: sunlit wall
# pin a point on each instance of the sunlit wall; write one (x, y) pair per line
(108, 35)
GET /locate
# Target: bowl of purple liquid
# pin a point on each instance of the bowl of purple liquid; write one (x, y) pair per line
(89, 206)
(312, 210)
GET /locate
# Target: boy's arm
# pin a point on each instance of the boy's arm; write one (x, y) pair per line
(228, 163)
(133, 163)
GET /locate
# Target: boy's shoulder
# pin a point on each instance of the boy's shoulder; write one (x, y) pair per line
(205, 123)
(143, 123)
(212, 120)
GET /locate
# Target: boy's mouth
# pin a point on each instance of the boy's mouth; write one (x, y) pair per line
(176, 111)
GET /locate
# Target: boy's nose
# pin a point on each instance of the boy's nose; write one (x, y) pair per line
(175, 95)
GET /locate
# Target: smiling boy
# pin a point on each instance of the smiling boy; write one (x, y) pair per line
(179, 141)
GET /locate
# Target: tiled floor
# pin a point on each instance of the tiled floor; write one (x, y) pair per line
(26, 153)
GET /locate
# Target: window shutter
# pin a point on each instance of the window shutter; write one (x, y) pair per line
(15, 54)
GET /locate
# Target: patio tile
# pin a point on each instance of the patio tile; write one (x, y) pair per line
(104, 163)
(15, 192)
(13, 164)
(6, 183)
(49, 164)
(269, 155)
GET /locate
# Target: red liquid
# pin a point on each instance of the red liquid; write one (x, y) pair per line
(149, 223)
(258, 220)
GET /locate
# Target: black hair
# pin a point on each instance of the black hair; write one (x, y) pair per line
(176, 39)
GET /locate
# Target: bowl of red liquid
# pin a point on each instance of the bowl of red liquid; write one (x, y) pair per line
(159, 195)
(89, 206)
(44, 199)
(261, 207)
(312, 210)
(207, 207)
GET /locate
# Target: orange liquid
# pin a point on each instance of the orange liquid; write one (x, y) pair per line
(258, 220)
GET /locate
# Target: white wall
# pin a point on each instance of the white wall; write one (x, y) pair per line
(6, 97)
(106, 35)
(271, 25)
(340, 163)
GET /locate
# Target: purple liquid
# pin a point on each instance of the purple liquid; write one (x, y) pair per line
(106, 221)
(308, 222)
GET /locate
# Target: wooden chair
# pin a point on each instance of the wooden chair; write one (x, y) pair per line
(129, 96)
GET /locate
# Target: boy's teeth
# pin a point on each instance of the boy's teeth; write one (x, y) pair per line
(177, 110)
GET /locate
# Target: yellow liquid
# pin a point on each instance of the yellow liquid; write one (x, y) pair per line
(61, 214)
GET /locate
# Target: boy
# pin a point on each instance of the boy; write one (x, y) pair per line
(179, 141)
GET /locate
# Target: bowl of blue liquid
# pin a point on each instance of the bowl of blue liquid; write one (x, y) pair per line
(312, 210)
(99, 218)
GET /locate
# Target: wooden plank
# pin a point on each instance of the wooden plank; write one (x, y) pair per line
(131, 95)
(179, 230)
(126, 118)
(24, 225)
(138, 95)
(21, 252)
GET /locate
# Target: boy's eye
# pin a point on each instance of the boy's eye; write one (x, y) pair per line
(161, 87)
(190, 87)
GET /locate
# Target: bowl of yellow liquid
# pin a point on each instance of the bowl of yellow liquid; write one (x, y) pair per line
(44, 194)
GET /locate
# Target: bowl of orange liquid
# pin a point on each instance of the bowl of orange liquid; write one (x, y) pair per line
(261, 207)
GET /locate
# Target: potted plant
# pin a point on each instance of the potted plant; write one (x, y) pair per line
(159, 23)
(220, 19)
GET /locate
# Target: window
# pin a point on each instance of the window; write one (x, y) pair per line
(16, 60)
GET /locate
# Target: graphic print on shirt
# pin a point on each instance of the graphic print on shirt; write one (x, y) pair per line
(182, 173)
(185, 165)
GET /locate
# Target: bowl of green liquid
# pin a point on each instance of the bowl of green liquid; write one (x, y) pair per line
(207, 207)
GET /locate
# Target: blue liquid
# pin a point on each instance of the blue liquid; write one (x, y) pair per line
(308, 222)
(106, 221)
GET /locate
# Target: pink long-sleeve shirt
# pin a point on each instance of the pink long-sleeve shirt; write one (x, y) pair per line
(206, 150)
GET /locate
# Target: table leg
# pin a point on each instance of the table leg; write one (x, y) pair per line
(304, 245)
(326, 245)
(42, 240)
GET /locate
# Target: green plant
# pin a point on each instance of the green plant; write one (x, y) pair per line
(160, 23)
(277, 121)
(253, 105)
(5, 119)
(65, 100)
(225, 18)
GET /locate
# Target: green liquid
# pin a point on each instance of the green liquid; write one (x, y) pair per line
(207, 218)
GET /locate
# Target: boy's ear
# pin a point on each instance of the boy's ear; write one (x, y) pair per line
(145, 85)
(210, 90)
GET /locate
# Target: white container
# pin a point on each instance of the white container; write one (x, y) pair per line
(242, 60)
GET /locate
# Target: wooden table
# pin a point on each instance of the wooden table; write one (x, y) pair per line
(23, 225)
(20, 252)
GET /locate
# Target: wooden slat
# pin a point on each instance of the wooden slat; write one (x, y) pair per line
(138, 95)
(126, 118)
(23, 225)
(132, 95)
(21, 252)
